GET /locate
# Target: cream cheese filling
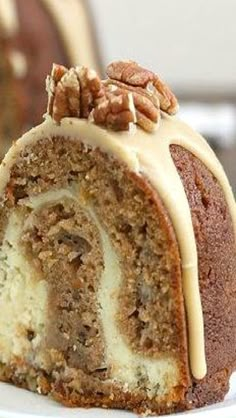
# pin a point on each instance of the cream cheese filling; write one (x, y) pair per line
(127, 368)
(23, 298)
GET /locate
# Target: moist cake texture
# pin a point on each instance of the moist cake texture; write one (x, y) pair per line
(104, 304)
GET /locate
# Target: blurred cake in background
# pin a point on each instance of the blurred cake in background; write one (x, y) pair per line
(33, 34)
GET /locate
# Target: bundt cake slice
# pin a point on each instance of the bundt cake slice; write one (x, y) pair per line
(34, 34)
(118, 257)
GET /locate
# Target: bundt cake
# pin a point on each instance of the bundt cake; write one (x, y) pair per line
(118, 256)
(34, 34)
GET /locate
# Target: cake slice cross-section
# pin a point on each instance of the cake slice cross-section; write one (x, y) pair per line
(117, 256)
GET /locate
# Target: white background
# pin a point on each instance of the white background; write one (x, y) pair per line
(191, 43)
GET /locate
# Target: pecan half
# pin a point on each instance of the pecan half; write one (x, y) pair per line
(131, 73)
(51, 81)
(73, 92)
(57, 72)
(147, 105)
(91, 90)
(116, 112)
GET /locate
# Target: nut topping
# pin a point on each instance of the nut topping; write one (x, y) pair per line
(117, 112)
(131, 95)
(91, 90)
(72, 92)
(147, 105)
(129, 72)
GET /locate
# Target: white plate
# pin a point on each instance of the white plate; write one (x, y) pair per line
(18, 403)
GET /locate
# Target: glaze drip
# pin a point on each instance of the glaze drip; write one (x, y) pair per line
(8, 17)
(78, 50)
